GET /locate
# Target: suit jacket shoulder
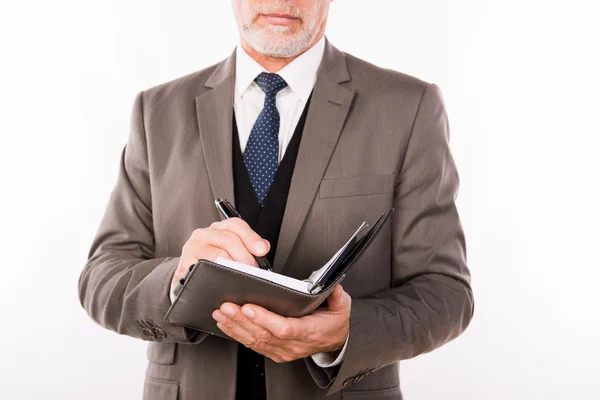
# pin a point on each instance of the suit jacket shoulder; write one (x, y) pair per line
(368, 78)
(183, 88)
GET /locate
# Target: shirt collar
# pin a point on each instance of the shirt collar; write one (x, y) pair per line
(300, 74)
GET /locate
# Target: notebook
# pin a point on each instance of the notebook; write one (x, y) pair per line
(209, 284)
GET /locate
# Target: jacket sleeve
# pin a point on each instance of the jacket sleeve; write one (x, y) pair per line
(123, 287)
(430, 301)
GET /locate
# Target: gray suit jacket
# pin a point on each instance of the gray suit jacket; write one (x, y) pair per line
(374, 139)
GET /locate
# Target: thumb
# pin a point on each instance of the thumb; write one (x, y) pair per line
(336, 297)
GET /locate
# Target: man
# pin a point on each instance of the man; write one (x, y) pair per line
(307, 142)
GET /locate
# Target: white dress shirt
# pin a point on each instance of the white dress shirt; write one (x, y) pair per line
(249, 99)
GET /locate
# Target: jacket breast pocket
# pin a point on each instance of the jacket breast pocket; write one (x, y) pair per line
(357, 186)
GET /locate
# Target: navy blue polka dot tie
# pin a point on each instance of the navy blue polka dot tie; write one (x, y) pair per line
(262, 149)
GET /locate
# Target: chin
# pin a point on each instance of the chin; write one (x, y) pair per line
(278, 40)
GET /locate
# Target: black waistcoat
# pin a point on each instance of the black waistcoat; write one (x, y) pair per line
(266, 221)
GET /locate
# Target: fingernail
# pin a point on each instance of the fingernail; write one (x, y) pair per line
(228, 310)
(219, 317)
(260, 247)
(248, 312)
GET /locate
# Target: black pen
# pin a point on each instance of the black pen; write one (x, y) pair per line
(227, 210)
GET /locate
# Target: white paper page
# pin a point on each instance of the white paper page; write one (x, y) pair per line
(284, 280)
(301, 286)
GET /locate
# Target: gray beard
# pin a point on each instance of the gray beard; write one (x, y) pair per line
(281, 46)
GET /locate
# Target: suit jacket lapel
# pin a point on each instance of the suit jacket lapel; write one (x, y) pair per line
(214, 111)
(329, 106)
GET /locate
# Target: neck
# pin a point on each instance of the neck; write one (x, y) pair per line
(270, 63)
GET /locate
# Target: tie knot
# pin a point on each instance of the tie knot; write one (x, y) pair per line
(270, 83)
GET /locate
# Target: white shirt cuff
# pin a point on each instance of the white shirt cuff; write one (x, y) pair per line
(325, 360)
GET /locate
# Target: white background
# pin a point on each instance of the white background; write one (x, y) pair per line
(520, 80)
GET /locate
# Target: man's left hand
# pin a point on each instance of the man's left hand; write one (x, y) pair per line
(286, 339)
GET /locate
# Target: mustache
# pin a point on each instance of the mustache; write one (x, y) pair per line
(274, 8)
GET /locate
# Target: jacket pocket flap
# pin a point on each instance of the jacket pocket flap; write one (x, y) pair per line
(159, 389)
(393, 393)
(161, 352)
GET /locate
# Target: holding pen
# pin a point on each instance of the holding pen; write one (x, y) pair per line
(228, 211)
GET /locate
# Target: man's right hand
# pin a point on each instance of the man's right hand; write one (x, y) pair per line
(231, 238)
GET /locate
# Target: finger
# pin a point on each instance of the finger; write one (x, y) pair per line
(190, 256)
(205, 251)
(252, 240)
(239, 326)
(183, 266)
(197, 248)
(232, 330)
(264, 348)
(280, 327)
(231, 243)
(337, 298)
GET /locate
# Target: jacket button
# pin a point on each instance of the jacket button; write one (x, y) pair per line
(145, 330)
(148, 332)
(158, 332)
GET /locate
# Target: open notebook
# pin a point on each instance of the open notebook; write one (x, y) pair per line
(209, 284)
(315, 282)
